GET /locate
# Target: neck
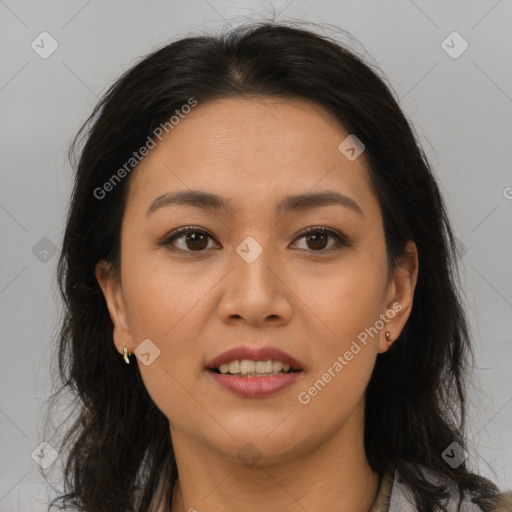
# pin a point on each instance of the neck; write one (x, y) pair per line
(334, 476)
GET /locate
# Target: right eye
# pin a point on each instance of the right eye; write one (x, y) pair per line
(192, 239)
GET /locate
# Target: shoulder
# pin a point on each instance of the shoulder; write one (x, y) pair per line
(395, 495)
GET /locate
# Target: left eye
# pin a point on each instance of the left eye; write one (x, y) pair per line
(196, 240)
(316, 238)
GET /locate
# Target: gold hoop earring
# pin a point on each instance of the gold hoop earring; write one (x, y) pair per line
(388, 336)
(126, 354)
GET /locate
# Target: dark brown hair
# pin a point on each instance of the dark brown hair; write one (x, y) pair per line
(415, 406)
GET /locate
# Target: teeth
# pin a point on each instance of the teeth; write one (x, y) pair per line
(248, 368)
(234, 367)
(224, 368)
(264, 366)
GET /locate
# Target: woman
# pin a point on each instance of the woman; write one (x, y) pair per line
(260, 290)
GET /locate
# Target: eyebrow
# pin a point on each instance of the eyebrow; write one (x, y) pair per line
(206, 200)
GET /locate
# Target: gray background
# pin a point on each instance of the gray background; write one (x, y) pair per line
(461, 108)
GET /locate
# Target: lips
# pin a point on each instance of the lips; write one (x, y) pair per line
(254, 354)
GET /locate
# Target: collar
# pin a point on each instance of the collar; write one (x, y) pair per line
(382, 500)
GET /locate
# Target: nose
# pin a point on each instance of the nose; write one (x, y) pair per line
(256, 292)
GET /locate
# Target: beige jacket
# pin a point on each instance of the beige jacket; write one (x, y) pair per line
(392, 496)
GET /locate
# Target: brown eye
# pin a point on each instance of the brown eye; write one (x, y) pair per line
(317, 239)
(192, 239)
(196, 240)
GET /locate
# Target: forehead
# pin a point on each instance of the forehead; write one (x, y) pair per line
(252, 149)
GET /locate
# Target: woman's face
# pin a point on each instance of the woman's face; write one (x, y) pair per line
(247, 276)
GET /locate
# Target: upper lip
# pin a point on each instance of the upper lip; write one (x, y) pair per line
(255, 354)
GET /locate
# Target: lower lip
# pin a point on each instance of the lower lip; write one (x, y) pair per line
(255, 387)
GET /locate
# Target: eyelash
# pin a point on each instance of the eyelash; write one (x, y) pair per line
(178, 233)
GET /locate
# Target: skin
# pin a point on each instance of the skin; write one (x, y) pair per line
(294, 296)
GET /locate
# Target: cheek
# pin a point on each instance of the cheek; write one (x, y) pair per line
(160, 295)
(163, 308)
(345, 300)
(347, 308)
(336, 391)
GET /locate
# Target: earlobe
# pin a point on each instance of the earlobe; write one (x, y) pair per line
(402, 289)
(385, 344)
(111, 287)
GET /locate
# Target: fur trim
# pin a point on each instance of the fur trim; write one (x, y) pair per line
(502, 503)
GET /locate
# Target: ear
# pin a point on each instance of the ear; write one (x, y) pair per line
(110, 283)
(399, 296)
